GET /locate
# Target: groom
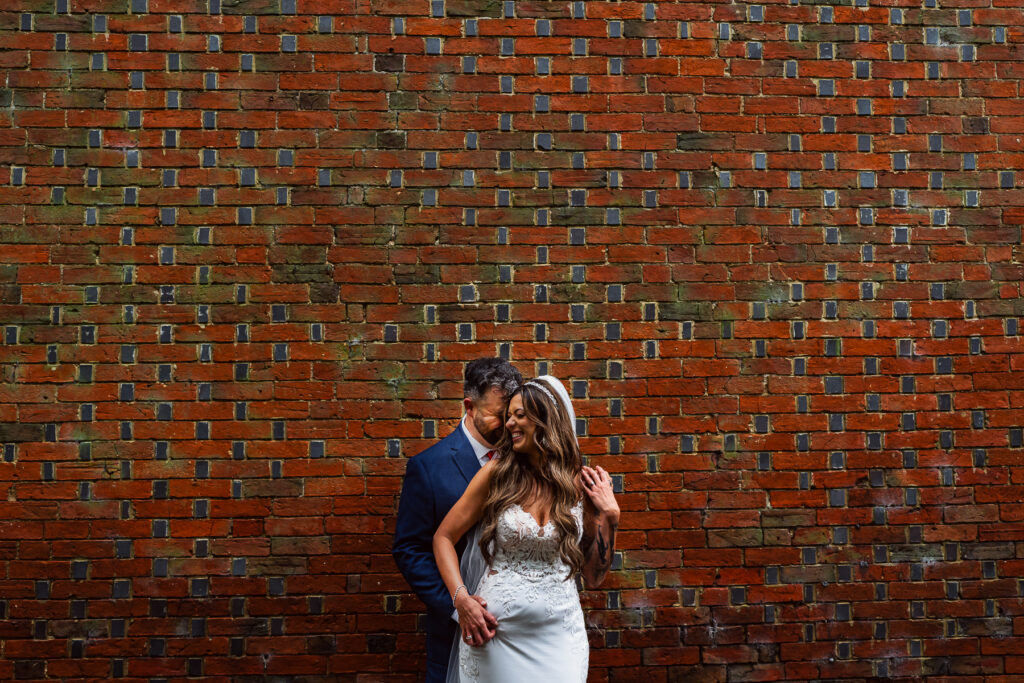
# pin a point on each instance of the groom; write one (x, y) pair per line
(434, 480)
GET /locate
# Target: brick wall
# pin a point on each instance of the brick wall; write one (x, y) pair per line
(775, 250)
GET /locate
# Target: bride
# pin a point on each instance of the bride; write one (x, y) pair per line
(537, 531)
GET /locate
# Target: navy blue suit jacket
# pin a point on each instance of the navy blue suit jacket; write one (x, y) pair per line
(434, 480)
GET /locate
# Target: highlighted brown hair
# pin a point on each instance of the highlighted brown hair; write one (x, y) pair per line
(516, 480)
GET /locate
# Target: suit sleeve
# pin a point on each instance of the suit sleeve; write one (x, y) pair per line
(413, 547)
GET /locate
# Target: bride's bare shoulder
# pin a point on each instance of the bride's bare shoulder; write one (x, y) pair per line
(486, 472)
(483, 476)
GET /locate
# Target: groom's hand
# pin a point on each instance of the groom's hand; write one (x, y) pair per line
(598, 485)
(477, 624)
(490, 621)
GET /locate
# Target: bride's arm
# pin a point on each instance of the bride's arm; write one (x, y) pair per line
(598, 543)
(474, 620)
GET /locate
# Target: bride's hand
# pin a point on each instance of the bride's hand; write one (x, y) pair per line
(598, 485)
(477, 624)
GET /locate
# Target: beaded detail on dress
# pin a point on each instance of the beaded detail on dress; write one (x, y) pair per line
(528, 549)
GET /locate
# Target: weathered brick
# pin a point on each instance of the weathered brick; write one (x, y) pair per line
(777, 246)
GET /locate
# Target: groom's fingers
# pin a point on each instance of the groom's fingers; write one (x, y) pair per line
(485, 622)
(482, 635)
(489, 619)
(597, 475)
(478, 626)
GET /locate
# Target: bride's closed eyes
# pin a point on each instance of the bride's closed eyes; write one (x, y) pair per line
(520, 428)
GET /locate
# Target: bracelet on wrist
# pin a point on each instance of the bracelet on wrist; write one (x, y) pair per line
(456, 596)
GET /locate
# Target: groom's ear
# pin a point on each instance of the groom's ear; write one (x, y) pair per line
(467, 403)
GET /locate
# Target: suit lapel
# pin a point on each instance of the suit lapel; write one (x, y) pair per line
(463, 455)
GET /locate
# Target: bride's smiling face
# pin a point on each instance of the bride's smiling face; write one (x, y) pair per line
(519, 426)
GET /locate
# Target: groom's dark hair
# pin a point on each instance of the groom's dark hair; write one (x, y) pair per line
(483, 373)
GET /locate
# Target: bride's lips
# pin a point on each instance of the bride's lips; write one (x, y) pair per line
(516, 436)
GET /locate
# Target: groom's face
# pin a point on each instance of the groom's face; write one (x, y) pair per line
(488, 414)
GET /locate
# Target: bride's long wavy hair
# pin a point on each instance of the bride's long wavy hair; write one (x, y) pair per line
(515, 480)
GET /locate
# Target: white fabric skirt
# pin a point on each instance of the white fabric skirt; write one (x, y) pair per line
(541, 635)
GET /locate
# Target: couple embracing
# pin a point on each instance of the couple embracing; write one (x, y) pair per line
(495, 522)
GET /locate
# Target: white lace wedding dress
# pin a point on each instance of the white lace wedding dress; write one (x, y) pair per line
(541, 636)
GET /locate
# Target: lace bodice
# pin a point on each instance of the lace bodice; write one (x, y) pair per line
(528, 549)
(541, 633)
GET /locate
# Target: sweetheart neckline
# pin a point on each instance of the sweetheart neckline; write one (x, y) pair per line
(530, 515)
(538, 524)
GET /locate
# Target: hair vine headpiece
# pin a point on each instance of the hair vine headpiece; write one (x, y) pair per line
(542, 388)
